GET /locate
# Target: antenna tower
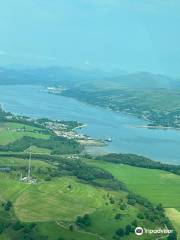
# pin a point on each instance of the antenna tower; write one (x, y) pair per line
(29, 166)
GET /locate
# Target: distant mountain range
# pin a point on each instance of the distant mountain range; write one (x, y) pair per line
(52, 75)
(139, 80)
(70, 77)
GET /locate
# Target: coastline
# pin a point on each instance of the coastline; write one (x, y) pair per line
(81, 126)
(158, 127)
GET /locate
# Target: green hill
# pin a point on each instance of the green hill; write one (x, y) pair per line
(156, 185)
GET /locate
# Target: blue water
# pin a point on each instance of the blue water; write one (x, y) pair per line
(127, 137)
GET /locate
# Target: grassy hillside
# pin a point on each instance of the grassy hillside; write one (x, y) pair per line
(174, 215)
(146, 103)
(20, 163)
(56, 206)
(56, 198)
(10, 132)
(156, 185)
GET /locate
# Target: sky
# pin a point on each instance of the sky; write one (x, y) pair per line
(131, 35)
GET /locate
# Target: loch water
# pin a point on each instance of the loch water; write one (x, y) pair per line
(124, 130)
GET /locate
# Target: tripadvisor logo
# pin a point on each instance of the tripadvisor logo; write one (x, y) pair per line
(139, 231)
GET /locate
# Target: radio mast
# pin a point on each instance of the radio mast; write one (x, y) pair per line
(29, 166)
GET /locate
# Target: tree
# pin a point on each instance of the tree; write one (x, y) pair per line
(83, 221)
(17, 226)
(160, 207)
(131, 201)
(27, 237)
(71, 228)
(87, 220)
(123, 206)
(8, 205)
(47, 178)
(140, 216)
(112, 201)
(1, 228)
(134, 223)
(29, 227)
(172, 236)
(118, 216)
(120, 232)
(128, 229)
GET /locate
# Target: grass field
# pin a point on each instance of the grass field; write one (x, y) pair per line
(54, 231)
(37, 150)
(54, 206)
(18, 162)
(10, 132)
(156, 185)
(10, 186)
(57, 198)
(174, 215)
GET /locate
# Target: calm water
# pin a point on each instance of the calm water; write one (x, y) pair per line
(126, 137)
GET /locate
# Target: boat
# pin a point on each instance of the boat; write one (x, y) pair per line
(108, 139)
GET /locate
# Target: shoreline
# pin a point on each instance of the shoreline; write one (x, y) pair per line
(81, 126)
(158, 127)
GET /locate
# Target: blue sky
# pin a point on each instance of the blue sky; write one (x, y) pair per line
(132, 35)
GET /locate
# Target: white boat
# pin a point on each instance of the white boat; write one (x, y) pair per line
(108, 139)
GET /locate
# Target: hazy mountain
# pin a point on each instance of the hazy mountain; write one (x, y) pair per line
(73, 77)
(51, 75)
(140, 80)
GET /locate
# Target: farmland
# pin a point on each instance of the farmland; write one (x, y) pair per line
(9, 132)
(56, 206)
(156, 185)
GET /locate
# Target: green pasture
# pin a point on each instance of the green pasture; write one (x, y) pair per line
(174, 216)
(54, 200)
(156, 185)
(10, 188)
(18, 162)
(55, 230)
(10, 132)
(37, 150)
(55, 205)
